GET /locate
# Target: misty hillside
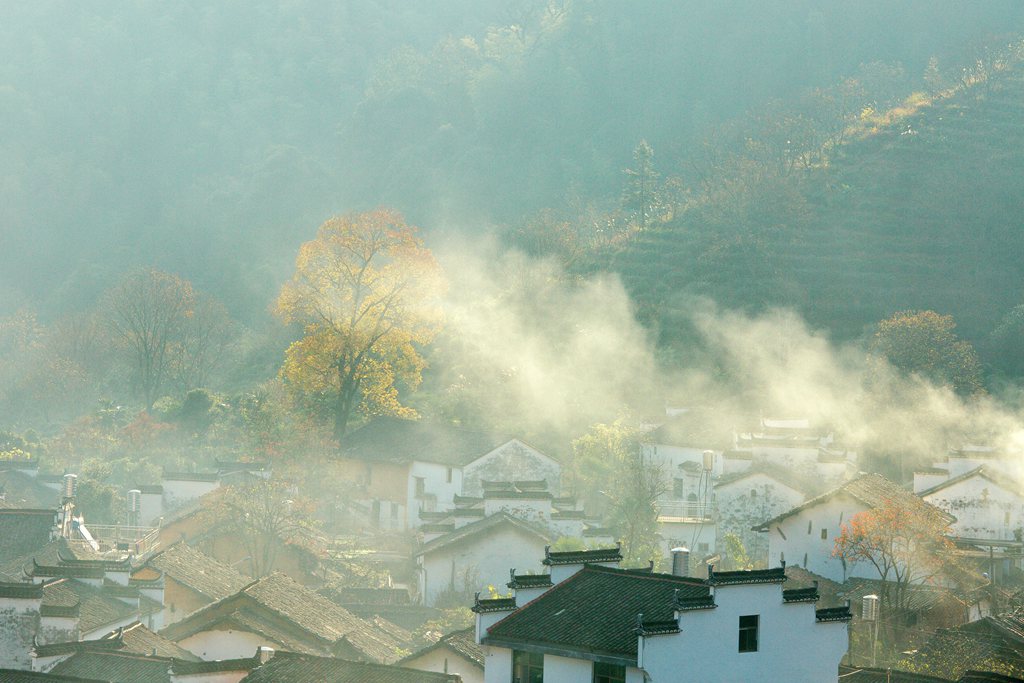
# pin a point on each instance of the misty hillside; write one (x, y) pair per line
(921, 212)
(211, 141)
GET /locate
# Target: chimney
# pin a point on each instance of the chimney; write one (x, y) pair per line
(681, 561)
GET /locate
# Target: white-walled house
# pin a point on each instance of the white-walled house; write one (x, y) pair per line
(797, 445)
(744, 499)
(476, 555)
(596, 622)
(987, 504)
(456, 653)
(805, 535)
(404, 467)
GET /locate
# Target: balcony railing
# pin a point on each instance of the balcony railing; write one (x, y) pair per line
(686, 510)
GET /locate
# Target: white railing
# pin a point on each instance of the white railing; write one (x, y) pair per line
(685, 509)
(141, 539)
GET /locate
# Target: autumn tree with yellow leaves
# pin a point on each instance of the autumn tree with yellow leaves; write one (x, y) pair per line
(366, 293)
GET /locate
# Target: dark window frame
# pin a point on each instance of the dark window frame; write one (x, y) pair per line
(527, 667)
(748, 632)
(609, 673)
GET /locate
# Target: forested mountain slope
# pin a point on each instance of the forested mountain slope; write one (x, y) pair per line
(925, 211)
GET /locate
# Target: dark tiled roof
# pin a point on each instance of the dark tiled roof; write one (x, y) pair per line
(773, 575)
(116, 667)
(55, 552)
(183, 668)
(390, 439)
(17, 676)
(594, 612)
(800, 594)
(24, 530)
(140, 640)
(583, 556)
(464, 643)
(21, 591)
(294, 616)
(96, 609)
(321, 616)
(285, 666)
(61, 571)
(994, 476)
(20, 490)
(872, 490)
(657, 628)
(54, 649)
(466, 501)
(493, 604)
(833, 613)
(529, 580)
(692, 602)
(987, 644)
(198, 571)
(153, 489)
(517, 485)
(484, 526)
(503, 494)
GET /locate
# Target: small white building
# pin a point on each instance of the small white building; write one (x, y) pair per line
(466, 560)
(744, 499)
(805, 535)
(456, 653)
(596, 622)
(986, 503)
(797, 445)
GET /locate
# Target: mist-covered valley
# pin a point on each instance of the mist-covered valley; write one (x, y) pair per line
(411, 258)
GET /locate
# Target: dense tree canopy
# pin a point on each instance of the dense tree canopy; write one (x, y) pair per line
(366, 293)
(923, 343)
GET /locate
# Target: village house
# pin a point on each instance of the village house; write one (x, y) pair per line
(133, 639)
(987, 503)
(592, 621)
(300, 668)
(743, 499)
(471, 546)
(191, 580)
(795, 445)
(403, 467)
(456, 653)
(805, 534)
(277, 612)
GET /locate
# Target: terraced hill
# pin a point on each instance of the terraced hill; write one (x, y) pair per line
(925, 213)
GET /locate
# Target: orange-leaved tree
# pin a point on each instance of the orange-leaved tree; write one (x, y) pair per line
(906, 541)
(367, 294)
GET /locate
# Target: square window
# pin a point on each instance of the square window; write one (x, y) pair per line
(448, 476)
(609, 673)
(748, 632)
(527, 667)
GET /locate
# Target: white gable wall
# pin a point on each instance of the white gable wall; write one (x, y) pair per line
(983, 509)
(512, 461)
(789, 540)
(447, 661)
(226, 644)
(747, 502)
(483, 560)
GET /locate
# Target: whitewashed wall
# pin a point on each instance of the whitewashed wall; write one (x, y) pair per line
(511, 461)
(983, 509)
(792, 646)
(229, 644)
(439, 492)
(809, 550)
(444, 660)
(485, 560)
(747, 502)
